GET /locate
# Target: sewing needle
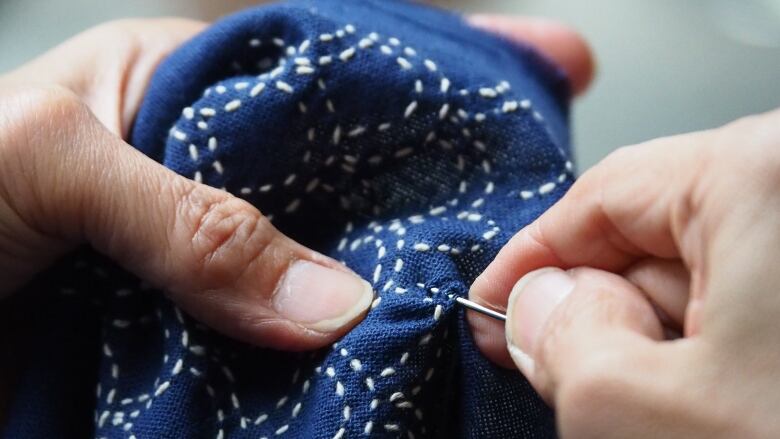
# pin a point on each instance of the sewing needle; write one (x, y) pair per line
(481, 309)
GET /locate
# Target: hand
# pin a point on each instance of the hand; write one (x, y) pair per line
(676, 236)
(67, 178)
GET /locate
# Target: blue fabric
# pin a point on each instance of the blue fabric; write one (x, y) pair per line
(388, 135)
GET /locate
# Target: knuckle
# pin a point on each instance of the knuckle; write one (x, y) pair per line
(228, 235)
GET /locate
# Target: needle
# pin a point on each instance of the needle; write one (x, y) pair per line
(481, 309)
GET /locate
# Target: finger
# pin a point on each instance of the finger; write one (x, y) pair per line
(216, 255)
(616, 214)
(588, 341)
(559, 43)
(666, 284)
(110, 65)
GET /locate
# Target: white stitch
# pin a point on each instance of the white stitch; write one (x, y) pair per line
(212, 144)
(325, 60)
(304, 70)
(386, 50)
(365, 43)
(388, 284)
(220, 89)
(374, 404)
(445, 85)
(347, 54)
(394, 41)
(409, 51)
(326, 37)
(358, 130)
(384, 126)
(282, 429)
(474, 217)
(399, 290)
(442, 114)
(289, 180)
(243, 423)
(425, 339)
(257, 89)
(339, 389)
(489, 234)
(400, 244)
(418, 86)
(178, 135)
(401, 153)
(377, 272)
(561, 178)
(367, 429)
(486, 92)
(478, 202)
(185, 337)
(241, 85)
(254, 42)
(346, 412)
(404, 357)
(296, 410)
(337, 135)
(265, 188)
(443, 248)
(381, 252)
(202, 125)
(278, 42)
(525, 104)
(545, 188)
(329, 104)
(195, 371)
(430, 65)
(188, 112)
(283, 86)
(207, 112)
(193, 152)
(349, 28)
(370, 384)
(305, 387)
(220, 434)
(489, 187)
(437, 210)
(509, 106)
(404, 63)
(437, 312)
(110, 396)
(260, 419)
(228, 374)
(392, 427)
(282, 401)
(429, 374)
(422, 247)
(162, 388)
(356, 365)
(479, 117)
(234, 400)
(387, 372)
(526, 194)
(396, 396)
(177, 367)
(416, 219)
(410, 109)
(218, 166)
(330, 371)
(399, 264)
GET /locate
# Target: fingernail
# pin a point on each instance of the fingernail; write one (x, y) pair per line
(321, 298)
(533, 299)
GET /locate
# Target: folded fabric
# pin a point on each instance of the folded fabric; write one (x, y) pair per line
(388, 135)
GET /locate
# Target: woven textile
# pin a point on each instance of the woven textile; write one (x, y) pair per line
(388, 135)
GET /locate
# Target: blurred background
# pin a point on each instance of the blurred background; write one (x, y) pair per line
(664, 66)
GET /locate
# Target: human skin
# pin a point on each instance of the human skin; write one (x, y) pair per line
(68, 178)
(646, 302)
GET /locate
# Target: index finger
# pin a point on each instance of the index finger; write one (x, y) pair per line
(632, 205)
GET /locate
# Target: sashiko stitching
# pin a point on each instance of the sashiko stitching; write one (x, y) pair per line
(388, 135)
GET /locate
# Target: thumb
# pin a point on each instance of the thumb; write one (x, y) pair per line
(567, 329)
(216, 255)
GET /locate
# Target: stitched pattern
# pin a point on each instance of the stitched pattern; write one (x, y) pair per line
(389, 136)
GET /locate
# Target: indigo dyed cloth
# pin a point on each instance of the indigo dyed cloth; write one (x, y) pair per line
(390, 136)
